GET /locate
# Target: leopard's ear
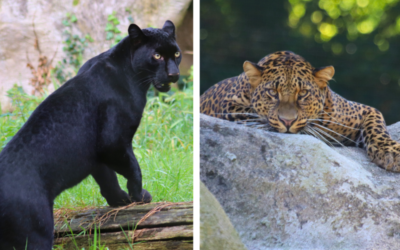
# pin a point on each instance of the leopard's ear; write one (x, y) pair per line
(169, 27)
(323, 75)
(253, 72)
(136, 35)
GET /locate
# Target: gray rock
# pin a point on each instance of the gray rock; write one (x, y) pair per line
(216, 231)
(294, 192)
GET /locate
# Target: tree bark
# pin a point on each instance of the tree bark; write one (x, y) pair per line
(149, 226)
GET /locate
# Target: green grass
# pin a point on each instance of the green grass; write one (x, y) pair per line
(163, 146)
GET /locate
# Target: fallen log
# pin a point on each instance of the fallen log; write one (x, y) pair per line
(149, 226)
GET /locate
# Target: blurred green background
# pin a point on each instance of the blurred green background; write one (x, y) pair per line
(360, 38)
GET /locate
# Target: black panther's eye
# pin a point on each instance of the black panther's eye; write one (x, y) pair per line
(157, 56)
(177, 54)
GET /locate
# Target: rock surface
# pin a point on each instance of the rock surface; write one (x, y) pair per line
(216, 231)
(284, 191)
(17, 37)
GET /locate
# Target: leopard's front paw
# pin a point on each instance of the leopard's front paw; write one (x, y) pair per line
(386, 156)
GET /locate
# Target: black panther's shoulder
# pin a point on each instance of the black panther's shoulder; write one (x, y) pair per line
(93, 61)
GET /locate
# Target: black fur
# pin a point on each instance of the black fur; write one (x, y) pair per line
(85, 127)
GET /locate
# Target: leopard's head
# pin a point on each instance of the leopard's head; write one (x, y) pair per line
(286, 90)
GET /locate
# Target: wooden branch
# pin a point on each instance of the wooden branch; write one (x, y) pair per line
(158, 226)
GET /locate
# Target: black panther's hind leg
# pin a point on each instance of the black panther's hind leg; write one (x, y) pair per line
(27, 225)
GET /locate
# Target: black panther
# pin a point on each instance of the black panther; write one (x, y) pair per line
(84, 128)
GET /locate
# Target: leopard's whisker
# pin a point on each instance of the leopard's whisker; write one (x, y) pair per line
(250, 114)
(255, 124)
(328, 136)
(325, 139)
(323, 111)
(333, 132)
(248, 123)
(264, 127)
(260, 119)
(317, 135)
(328, 114)
(306, 132)
(332, 122)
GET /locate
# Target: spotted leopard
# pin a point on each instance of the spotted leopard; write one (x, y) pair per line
(284, 93)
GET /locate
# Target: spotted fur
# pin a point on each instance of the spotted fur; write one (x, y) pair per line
(284, 93)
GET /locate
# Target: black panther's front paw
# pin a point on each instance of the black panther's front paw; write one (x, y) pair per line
(144, 196)
(122, 199)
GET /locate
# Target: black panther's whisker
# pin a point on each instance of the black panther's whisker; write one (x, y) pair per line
(151, 71)
(146, 81)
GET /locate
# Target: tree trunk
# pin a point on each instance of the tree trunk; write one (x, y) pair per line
(149, 226)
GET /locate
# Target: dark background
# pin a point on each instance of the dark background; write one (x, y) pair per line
(234, 31)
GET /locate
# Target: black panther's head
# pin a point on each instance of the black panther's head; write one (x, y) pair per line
(156, 55)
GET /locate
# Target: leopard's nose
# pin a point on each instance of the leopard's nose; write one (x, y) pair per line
(286, 122)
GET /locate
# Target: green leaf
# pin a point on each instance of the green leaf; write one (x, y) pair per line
(73, 19)
(88, 37)
(111, 17)
(176, 123)
(109, 27)
(109, 36)
(115, 21)
(65, 23)
(118, 38)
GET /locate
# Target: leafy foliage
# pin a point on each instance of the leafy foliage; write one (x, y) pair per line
(325, 19)
(11, 122)
(74, 47)
(112, 31)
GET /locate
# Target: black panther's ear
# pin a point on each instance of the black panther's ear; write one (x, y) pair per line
(169, 27)
(136, 35)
